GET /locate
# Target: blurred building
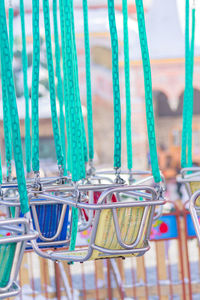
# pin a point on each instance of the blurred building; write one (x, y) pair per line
(166, 48)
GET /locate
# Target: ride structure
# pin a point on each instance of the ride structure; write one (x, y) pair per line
(118, 210)
(14, 232)
(189, 174)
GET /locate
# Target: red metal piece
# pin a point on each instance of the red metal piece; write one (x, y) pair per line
(187, 254)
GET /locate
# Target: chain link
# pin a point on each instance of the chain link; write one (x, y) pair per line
(148, 91)
(116, 88)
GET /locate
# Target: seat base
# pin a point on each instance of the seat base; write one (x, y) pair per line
(14, 290)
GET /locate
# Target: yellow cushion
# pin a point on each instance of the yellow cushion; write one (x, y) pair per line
(195, 186)
(129, 222)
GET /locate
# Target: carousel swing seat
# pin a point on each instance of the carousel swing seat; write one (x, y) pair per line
(14, 234)
(191, 178)
(119, 229)
(51, 221)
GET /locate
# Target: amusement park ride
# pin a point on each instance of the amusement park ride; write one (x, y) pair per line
(45, 214)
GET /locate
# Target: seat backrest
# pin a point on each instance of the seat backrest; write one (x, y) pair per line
(195, 186)
(129, 219)
(7, 253)
(51, 217)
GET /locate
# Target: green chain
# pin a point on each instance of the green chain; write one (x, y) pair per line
(71, 101)
(60, 84)
(83, 152)
(127, 86)
(16, 137)
(65, 80)
(116, 89)
(88, 81)
(190, 112)
(148, 90)
(1, 176)
(35, 85)
(6, 120)
(26, 92)
(74, 109)
(59, 154)
(186, 93)
(10, 23)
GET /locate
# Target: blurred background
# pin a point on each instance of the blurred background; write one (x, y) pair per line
(165, 33)
(163, 266)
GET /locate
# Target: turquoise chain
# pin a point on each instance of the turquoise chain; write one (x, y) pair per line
(148, 90)
(1, 176)
(83, 152)
(26, 92)
(6, 120)
(71, 101)
(116, 89)
(60, 84)
(65, 80)
(10, 23)
(186, 93)
(59, 154)
(88, 81)
(74, 109)
(127, 86)
(35, 85)
(190, 112)
(16, 137)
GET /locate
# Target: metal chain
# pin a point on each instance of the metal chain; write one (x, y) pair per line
(70, 106)
(60, 84)
(26, 92)
(88, 81)
(10, 23)
(83, 152)
(6, 120)
(35, 86)
(65, 83)
(57, 140)
(148, 91)
(190, 112)
(16, 137)
(116, 88)
(127, 86)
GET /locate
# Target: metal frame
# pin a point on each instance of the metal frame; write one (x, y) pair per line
(68, 194)
(193, 176)
(16, 226)
(149, 204)
(184, 178)
(195, 211)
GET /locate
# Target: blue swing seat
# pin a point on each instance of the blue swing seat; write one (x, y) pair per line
(51, 221)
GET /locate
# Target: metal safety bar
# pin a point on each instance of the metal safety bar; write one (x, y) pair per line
(194, 213)
(149, 208)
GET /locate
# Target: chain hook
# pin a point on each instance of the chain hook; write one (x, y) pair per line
(118, 178)
(37, 184)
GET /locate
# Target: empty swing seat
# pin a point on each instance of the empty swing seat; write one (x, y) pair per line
(51, 221)
(120, 229)
(14, 234)
(191, 178)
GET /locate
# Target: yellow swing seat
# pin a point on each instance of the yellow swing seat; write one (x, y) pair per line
(119, 229)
